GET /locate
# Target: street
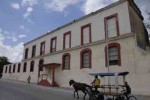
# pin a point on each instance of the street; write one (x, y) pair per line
(23, 91)
(13, 90)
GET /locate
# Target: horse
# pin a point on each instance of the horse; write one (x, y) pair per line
(79, 86)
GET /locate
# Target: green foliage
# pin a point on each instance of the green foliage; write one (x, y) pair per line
(3, 61)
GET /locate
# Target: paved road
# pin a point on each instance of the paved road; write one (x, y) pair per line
(23, 91)
(13, 90)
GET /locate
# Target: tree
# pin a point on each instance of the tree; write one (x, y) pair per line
(3, 61)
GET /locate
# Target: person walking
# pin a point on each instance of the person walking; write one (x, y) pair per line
(29, 79)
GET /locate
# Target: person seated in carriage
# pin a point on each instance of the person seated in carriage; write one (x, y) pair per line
(128, 89)
(96, 83)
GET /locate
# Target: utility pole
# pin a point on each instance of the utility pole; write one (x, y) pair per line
(107, 52)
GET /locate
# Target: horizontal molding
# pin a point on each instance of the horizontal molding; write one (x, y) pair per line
(82, 46)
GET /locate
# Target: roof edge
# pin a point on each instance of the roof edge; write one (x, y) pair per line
(78, 19)
(136, 8)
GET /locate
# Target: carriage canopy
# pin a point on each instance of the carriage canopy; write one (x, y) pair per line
(110, 74)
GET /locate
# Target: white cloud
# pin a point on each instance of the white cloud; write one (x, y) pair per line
(22, 27)
(93, 5)
(29, 2)
(28, 12)
(59, 5)
(15, 6)
(144, 7)
(1, 38)
(66, 13)
(21, 36)
(87, 7)
(6, 32)
(145, 11)
(14, 39)
(12, 36)
(29, 9)
(13, 53)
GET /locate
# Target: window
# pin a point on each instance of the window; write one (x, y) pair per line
(41, 62)
(25, 67)
(86, 34)
(33, 50)
(10, 69)
(53, 44)
(67, 40)
(19, 65)
(113, 54)
(85, 58)
(42, 49)
(26, 53)
(6, 69)
(14, 67)
(66, 61)
(111, 26)
(32, 66)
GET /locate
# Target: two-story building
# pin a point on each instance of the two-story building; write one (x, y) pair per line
(113, 37)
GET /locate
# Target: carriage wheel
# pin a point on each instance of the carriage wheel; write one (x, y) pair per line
(132, 98)
(121, 98)
(93, 98)
(100, 97)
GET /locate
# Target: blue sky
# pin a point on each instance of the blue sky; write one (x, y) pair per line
(24, 20)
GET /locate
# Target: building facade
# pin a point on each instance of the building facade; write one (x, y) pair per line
(113, 37)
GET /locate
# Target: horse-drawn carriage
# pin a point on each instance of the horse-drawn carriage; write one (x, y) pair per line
(114, 90)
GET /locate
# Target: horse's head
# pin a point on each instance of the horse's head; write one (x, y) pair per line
(71, 82)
